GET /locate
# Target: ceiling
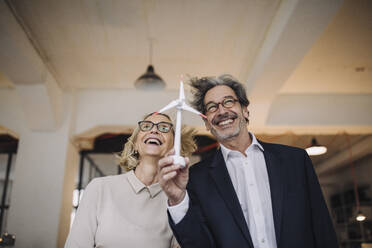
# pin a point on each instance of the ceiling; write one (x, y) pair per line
(105, 44)
(341, 59)
(307, 65)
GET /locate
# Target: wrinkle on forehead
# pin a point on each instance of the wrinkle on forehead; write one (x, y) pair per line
(222, 99)
(218, 93)
(158, 118)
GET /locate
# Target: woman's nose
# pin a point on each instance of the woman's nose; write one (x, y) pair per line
(154, 129)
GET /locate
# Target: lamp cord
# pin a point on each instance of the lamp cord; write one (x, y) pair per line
(150, 50)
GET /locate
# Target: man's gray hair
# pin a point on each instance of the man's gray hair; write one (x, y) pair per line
(202, 85)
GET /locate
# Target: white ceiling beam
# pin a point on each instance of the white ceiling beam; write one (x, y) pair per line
(42, 104)
(19, 61)
(122, 107)
(295, 28)
(321, 110)
(312, 130)
(342, 159)
(324, 114)
(40, 94)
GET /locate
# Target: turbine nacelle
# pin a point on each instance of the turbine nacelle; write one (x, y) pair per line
(180, 105)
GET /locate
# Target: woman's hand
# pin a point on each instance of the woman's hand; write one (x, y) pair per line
(173, 179)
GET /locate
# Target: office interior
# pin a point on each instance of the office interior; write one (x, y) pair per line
(70, 97)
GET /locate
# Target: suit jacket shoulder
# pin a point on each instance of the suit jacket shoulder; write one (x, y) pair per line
(280, 149)
(200, 169)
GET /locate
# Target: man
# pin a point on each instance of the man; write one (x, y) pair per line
(249, 193)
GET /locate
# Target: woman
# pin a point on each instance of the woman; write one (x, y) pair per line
(129, 210)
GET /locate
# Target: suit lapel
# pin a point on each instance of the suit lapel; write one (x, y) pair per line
(275, 173)
(220, 175)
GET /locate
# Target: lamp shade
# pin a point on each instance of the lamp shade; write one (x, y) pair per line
(315, 149)
(150, 80)
(360, 216)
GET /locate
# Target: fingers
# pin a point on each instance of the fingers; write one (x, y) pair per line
(172, 178)
(170, 152)
(167, 169)
(169, 176)
(170, 168)
(187, 161)
(166, 161)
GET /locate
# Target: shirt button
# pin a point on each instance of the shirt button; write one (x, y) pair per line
(262, 240)
(251, 184)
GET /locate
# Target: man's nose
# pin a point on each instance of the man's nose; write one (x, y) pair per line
(221, 108)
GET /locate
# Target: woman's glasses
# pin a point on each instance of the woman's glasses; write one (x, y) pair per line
(163, 126)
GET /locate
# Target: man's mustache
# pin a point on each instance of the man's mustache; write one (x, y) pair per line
(227, 115)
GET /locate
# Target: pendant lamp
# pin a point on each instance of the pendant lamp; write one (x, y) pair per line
(150, 80)
(315, 149)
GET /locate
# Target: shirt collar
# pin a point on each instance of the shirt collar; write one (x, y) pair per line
(138, 186)
(226, 151)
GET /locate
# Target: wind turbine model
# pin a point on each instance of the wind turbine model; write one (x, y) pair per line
(180, 105)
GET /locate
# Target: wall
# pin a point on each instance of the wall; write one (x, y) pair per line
(39, 170)
(47, 162)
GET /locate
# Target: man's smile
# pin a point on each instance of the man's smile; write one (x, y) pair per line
(226, 120)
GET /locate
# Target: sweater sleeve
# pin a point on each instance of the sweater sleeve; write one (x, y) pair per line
(82, 233)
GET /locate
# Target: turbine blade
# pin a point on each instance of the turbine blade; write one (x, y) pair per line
(190, 109)
(172, 104)
(182, 92)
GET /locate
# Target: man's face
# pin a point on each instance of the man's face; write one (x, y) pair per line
(224, 123)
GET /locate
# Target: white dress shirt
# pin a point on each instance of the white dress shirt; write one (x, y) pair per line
(251, 183)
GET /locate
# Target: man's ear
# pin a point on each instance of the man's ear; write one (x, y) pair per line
(245, 112)
(207, 124)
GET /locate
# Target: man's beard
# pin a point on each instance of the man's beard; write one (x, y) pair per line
(224, 137)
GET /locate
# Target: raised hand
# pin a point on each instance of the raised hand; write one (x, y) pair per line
(173, 179)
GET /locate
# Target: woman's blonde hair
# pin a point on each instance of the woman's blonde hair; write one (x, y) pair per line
(129, 157)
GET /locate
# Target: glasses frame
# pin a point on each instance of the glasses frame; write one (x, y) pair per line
(156, 124)
(217, 104)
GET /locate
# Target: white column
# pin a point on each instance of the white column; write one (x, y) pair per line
(39, 177)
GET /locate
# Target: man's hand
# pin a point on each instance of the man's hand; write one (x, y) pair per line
(173, 179)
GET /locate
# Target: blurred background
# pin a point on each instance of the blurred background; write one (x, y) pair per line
(76, 77)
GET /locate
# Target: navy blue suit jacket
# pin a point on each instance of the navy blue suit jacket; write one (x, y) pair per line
(215, 218)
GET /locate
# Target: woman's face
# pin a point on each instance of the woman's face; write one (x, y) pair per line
(154, 142)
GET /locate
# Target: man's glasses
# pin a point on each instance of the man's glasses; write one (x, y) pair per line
(228, 102)
(163, 126)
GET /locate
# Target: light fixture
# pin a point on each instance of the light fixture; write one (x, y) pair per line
(315, 149)
(360, 216)
(150, 80)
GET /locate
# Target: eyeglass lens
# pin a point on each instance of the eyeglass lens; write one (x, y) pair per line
(226, 103)
(163, 127)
